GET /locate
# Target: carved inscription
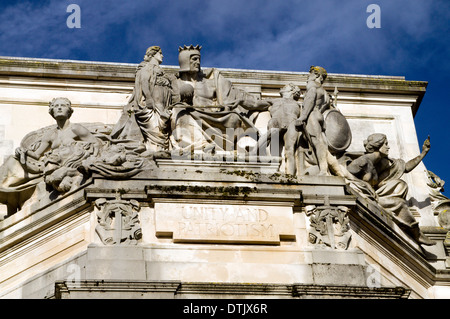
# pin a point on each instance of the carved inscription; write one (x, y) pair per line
(223, 223)
(226, 221)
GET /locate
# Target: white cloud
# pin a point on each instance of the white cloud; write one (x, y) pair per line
(277, 35)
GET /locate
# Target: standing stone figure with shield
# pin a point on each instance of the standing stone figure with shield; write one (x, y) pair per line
(317, 106)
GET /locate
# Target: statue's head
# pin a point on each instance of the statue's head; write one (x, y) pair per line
(294, 89)
(377, 142)
(319, 72)
(189, 58)
(151, 51)
(63, 103)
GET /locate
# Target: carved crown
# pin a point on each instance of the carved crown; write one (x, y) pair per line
(191, 47)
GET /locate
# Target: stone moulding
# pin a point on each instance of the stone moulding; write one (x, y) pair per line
(273, 195)
(372, 226)
(175, 289)
(50, 68)
(38, 218)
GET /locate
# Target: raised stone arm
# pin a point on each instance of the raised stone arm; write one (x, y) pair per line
(22, 153)
(389, 190)
(410, 165)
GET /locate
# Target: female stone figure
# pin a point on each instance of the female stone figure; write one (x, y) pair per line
(381, 181)
(146, 115)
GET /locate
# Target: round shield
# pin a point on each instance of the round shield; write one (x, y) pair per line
(443, 210)
(337, 130)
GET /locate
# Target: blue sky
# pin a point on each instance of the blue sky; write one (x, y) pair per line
(285, 35)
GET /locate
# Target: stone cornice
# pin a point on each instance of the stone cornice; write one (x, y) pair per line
(125, 72)
(373, 225)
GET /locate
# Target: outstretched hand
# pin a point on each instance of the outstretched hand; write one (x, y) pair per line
(426, 145)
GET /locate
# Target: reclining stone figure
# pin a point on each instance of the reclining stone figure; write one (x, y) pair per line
(379, 179)
(54, 157)
(63, 156)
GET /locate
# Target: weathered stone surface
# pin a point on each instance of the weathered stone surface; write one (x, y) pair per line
(224, 223)
(116, 263)
(169, 290)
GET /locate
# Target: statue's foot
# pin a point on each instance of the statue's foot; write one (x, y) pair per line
(162, 154)
(419, 236)
(424, 240)
(403, 224)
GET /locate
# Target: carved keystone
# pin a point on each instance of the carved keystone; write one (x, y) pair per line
(118, 221)
(329, 225)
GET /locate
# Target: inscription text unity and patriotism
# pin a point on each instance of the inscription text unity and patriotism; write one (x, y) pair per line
(218, 223)
(225, 221)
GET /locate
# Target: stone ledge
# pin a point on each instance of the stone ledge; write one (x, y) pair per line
(126, 72)
(177, 289)
(391, 242)
(39, 218)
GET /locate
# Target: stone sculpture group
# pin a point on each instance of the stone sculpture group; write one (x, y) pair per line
(199, 111)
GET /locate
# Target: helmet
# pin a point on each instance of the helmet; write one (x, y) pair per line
(184, 56)
(319, 70)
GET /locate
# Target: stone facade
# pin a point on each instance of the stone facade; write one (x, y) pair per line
(201, 227)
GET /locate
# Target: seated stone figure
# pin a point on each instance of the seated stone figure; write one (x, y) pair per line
(378, 178)
(54, 158)
(208, 124)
